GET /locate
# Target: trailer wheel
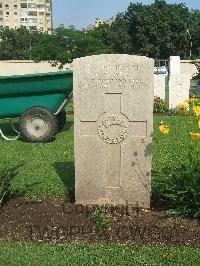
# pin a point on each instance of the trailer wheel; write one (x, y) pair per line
(38, 125)
(61, 117)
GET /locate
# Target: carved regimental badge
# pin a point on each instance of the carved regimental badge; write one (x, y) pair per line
(113, 129)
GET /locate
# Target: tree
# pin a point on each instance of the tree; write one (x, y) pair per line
(194, 31)
(115, 36)
(67, 44)
(62, 46)
(16, 44)
(158, 30)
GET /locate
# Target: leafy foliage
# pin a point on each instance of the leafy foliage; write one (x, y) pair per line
(62, 46)
(100, 219)
(158, 30)
(115, 36)
(179, 186)
(65, 45)
(159, 105)
(6, 176)
(17, 44)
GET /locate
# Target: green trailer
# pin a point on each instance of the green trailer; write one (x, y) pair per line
(38, 100)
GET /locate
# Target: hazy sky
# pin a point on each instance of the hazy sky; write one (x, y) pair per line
(81, 13)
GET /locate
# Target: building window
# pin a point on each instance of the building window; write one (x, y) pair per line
(32, 20)
(23, 5)
(25, 20)
(41, 6)
(32, 5)
(32, 13)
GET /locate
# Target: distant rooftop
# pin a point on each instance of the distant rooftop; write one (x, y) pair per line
(99, 22)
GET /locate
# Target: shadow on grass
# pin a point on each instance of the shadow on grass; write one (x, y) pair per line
(66, 172)
(68, 126)
(6, 127)
(6, 178)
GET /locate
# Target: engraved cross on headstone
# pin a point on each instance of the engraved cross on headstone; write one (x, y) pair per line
(112, 135)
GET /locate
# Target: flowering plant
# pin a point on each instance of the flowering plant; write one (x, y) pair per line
(159, 105)
(180, 187)
(190, 107)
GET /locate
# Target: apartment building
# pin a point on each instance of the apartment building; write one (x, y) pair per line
(31, 14)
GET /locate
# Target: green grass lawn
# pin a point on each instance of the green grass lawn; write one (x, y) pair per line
(70, 106)
(48, 168)
(48, 171)
(168, 149)
(59, 254)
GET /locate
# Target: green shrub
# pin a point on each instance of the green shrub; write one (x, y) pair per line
(6, 176)
(159, 105)
(100, 219)
(178, 188)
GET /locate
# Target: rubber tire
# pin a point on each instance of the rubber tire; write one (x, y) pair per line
(61, 117)
(42, 113)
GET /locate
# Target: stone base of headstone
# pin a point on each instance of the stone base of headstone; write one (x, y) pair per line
(113, 108)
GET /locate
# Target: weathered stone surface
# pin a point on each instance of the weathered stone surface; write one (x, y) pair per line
(179, 84)
(179, 87)
(159, 86)
(175, 65)
(113, 101)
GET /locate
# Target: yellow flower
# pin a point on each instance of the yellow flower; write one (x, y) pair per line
(191, 100)
(196, 110)
(195, 135)
(164, 129)
(183, 106)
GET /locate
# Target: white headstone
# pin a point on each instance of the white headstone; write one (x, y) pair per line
(175, 65)
(179, 84)
(113, 101)
(159, 86)
(179, 87)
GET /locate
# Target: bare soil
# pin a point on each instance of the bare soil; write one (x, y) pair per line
(57, 221)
